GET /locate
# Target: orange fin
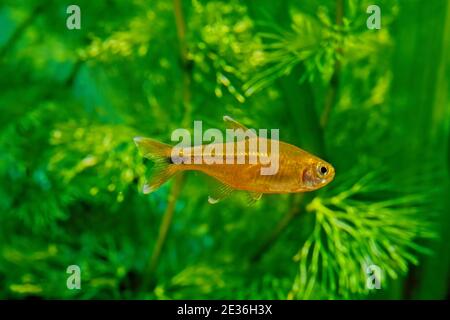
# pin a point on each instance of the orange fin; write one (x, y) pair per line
(233, 124)
(220, 192)
(163, 168)
(253, 197)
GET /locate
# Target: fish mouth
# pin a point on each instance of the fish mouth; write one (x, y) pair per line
(331, 175)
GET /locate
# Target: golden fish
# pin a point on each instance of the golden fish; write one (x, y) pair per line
(298, 170)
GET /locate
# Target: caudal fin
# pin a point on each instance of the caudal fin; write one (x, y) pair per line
(160, 154)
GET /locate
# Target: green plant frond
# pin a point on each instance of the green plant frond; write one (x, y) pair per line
(351, 233)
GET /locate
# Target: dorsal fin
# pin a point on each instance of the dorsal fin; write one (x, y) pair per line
(233, 124)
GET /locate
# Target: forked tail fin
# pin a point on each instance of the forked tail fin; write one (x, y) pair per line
(160, 154)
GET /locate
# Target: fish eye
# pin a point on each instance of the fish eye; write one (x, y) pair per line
(322, 170)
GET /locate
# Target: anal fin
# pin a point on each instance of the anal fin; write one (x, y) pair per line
(253, 197)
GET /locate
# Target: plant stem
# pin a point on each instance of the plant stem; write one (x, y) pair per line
(21, 29)
(298, 199)
(282, 225)
(150, 270)
(187, 75)
(164, 227)
(181, 29)
(330, 98)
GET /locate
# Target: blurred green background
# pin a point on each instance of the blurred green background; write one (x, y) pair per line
(374, 103)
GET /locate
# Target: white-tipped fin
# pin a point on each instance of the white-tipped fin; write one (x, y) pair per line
(233, 124)
(211, 200)
(253, 197)
(219, 192)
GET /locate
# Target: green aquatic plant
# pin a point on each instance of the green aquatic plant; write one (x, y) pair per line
(318, 41)
(352, 231)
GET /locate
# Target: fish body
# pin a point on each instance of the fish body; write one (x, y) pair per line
(298, 170)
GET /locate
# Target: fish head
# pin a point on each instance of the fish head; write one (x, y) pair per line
(316, 174)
